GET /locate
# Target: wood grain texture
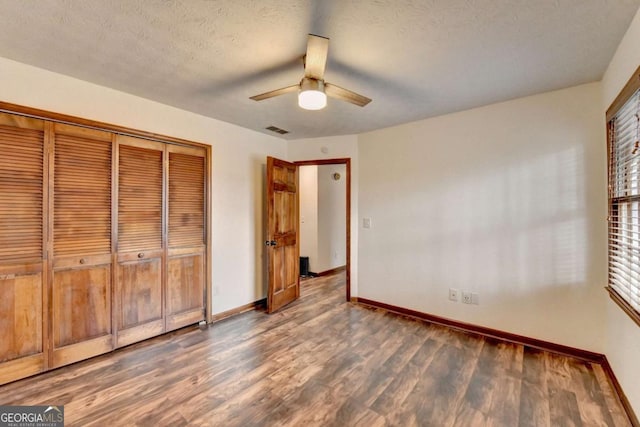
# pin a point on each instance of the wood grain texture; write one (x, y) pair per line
(21, 191)
(185, 283)
(321, 361)
(186, 266)
(81, 279)
(585, 355)
(186, 199)
(20, 316)
(139, 198)
(81, 304)
(82, 192)
(22, 256)
(140, 292)
(282, 233)
(61, 222)
(140, 269)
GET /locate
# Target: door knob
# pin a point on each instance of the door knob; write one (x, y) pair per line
(270, 243)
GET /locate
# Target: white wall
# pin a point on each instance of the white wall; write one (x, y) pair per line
(238, 166)
(506, 200)
(336, 147)
(332, 206)
(623, 344)
(308, 181)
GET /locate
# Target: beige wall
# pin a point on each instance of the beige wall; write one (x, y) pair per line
(239, 156)
(308, 189)
(506, 200)
(623, 335)
(332, 233)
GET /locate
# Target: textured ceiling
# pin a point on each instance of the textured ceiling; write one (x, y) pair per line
(415, 59)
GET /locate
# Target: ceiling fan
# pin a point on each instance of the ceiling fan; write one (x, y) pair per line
(312, 89)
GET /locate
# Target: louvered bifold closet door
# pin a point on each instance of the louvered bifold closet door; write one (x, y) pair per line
(82, 236)
(186, 234)
(22, 264)
(139, 308)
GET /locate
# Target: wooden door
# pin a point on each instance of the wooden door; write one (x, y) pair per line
(185, 301)
(282, 233)
(23, 297)
(138, 286)
(81, 236)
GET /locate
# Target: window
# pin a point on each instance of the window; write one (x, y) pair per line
(623, 126)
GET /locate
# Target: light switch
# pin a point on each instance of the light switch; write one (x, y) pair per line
(366, 222)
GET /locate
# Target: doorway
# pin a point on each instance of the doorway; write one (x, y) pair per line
(325, 226)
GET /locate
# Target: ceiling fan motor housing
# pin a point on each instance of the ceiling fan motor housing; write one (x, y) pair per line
(308, 83)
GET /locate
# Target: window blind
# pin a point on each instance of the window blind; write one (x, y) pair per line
(624, 203)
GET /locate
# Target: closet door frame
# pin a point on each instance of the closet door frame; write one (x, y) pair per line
(50, 119)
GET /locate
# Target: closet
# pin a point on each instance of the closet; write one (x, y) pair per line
(103, 241)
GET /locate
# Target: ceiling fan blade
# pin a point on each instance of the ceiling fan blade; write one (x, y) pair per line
(316, 58)
(276, 92)
(345, 95)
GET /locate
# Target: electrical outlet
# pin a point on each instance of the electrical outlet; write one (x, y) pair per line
(366, 222)
(475, 298)
(466, 297)
(453, 294)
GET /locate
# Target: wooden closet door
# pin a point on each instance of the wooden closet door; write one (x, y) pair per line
(23, 297)
(186, 235)
(138, 296)
(82, 263)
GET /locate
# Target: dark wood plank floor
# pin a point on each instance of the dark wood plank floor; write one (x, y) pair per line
(322, 361)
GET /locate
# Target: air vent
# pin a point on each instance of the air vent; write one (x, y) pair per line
(277, 130)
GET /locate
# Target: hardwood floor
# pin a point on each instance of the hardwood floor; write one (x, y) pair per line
(322, 361)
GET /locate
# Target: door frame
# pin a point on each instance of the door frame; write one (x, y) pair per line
(347, 162)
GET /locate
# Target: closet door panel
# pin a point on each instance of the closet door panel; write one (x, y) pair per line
(82, 264)
(140, 298)
(22, 265)
(81, 304)
(139, 309)
(186, 236)
(21, 309)
(186, 290)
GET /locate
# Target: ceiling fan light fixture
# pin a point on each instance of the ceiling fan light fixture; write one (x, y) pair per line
(311, 95)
